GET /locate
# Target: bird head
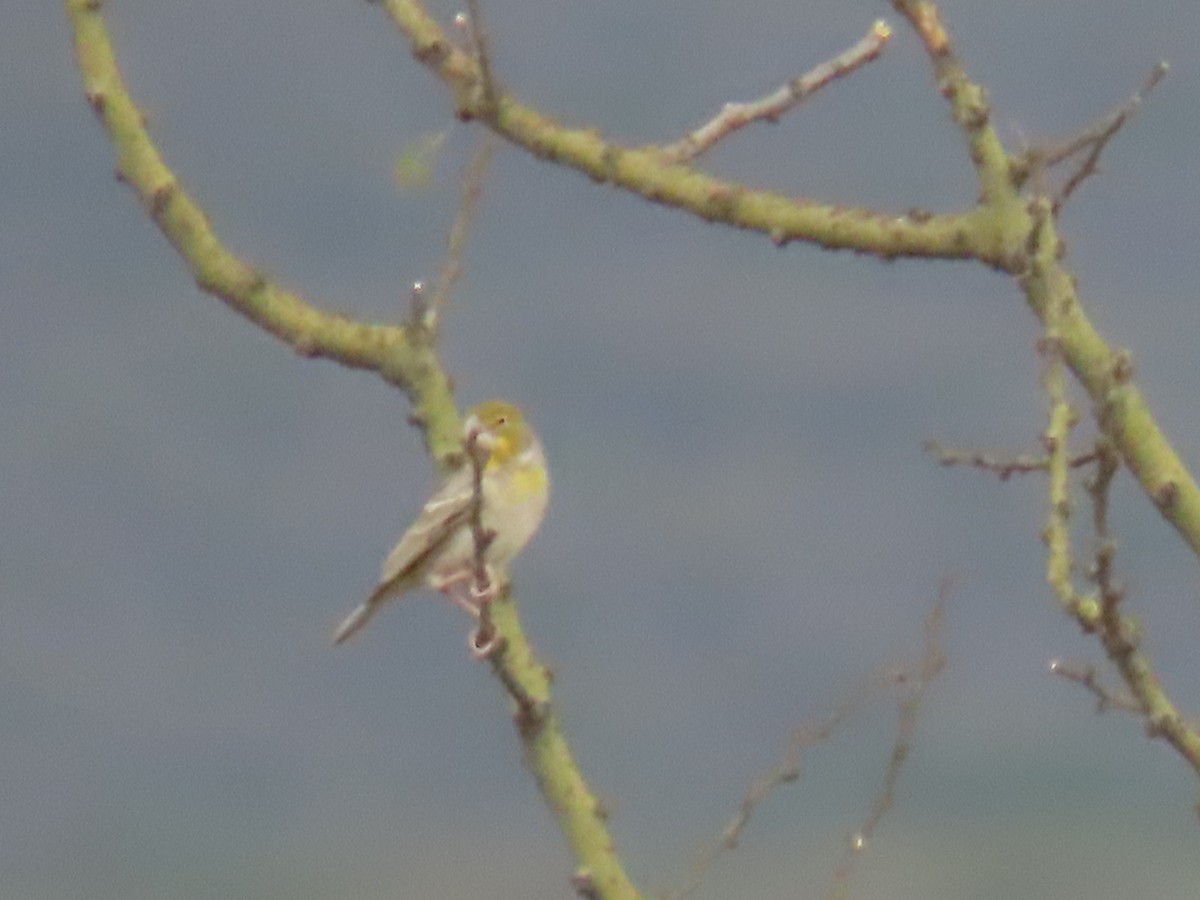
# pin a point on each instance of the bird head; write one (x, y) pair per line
(500, 429)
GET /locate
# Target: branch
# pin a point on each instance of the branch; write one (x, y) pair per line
(912, 680)
(999, 232)
(1118, 632)
(405, 357)
(1003, 466)
(580, 815)
(650, 173)
(468, 206)
(933, 660)
(396, 353)
(1086, 677)
(1099, 488)
(1121, 411)
(1093, 139)
(773, 106)
(1057, 534)
(1003, 231)
(472, 24)
(484, 640)
(1098, 139)
(969, 107)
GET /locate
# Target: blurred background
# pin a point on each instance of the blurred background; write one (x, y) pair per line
(743, 523)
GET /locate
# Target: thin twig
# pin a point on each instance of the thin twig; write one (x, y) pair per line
(482, 639)
(1099, 487)
(473, 178)
(734, 116)
(481, 50)
(481, 536)
(912, 679)
(1106, 127)
(785, 772)
(1085, 675)
(1097, 139)
(1003, 466)
(927, 23)
(932, 662)
(1094, 139)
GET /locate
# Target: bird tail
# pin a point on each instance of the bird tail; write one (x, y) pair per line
(362, 614)
(355, 621)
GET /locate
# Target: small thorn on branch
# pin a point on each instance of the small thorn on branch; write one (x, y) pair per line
(422, 314)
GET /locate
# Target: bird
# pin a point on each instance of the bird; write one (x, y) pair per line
(439, 549)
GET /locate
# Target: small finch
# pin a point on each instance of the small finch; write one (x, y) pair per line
(438, 549)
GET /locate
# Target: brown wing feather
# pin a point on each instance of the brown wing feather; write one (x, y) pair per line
(445, 512)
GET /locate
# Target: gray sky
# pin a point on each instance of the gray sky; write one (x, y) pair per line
(743, 524)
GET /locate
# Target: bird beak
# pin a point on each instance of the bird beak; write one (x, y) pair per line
(473, 430)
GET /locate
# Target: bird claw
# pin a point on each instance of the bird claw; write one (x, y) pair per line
(465, 591)
(482, 642)
(486, 592)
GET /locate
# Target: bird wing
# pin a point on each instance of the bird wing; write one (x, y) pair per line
(443, 514)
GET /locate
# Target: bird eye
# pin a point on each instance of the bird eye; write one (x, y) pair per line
(502, 421)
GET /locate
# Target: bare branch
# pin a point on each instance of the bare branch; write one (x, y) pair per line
(996, 231)
(480, 49)
(912, 680)
(784, 773)
(386, 349)
(645, 171)
(1003, 466)
(1118, 632)
(734, 116)
(932, 662)
(473, 179)
(484, 640)
(1086, 677)
(969, 104)
(1095, 139)
(1099, 487)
